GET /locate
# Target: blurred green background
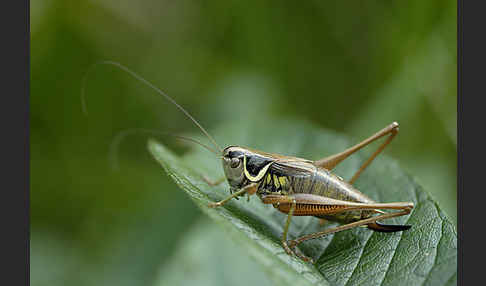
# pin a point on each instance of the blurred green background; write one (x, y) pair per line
(351, 67)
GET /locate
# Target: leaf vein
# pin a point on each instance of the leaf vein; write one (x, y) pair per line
(437, 248)
(394, 252)
(360, 257)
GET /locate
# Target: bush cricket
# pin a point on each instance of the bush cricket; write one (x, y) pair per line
(299, 187)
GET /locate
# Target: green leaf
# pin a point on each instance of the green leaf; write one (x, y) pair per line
(424, 255)
(214, 263)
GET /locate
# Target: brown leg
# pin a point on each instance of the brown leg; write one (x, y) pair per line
(292, 202)
(297, 204)
(251, 189)
(294, 243)
(286, 229)
(332, 161)
(330, 206)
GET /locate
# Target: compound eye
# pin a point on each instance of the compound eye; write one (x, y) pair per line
(235, 162)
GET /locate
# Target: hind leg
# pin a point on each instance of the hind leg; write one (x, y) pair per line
(332, 161)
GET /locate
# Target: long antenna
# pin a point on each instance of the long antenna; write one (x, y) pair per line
(113, 153)
(141, 79)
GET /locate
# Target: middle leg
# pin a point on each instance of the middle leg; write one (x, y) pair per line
(250, 189)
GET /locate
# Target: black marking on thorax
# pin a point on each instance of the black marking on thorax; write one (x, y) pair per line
(274, 182)
(255, 163)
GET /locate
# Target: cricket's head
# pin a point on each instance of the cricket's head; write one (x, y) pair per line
(233, 158)
(243, 166)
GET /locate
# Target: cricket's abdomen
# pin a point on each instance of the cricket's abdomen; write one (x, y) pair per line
(321, 182)
(324, 183)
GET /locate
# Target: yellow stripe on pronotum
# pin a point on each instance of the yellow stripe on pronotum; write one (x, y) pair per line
(260, 175)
